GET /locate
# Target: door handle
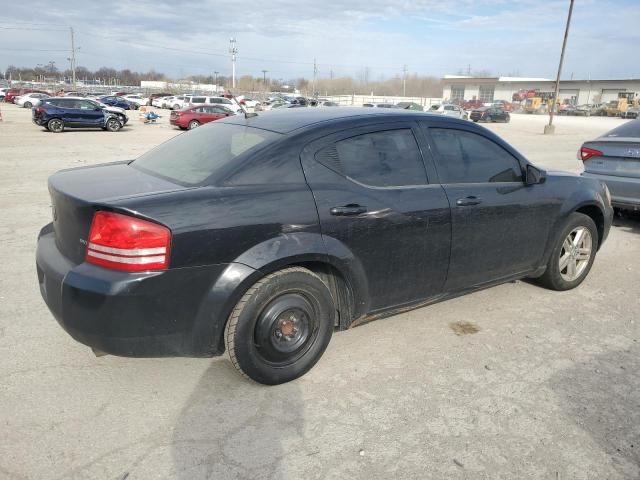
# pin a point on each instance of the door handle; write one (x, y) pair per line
(348, 210)
(468, 201)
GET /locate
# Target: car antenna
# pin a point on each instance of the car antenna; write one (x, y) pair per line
(246, 114)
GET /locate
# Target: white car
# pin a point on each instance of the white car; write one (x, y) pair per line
(247, 102)
(227, 102)
(29, 100)
(136, 99)
(157, 102)
(451, 110)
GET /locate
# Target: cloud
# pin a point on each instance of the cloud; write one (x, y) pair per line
(284, 36)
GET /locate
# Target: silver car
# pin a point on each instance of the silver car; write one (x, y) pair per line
(452, 111)
(614, 158)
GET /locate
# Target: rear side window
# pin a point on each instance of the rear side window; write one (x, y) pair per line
(198, 100)
(191, 158)
(466, 157)
(381, 159)
(627, 130)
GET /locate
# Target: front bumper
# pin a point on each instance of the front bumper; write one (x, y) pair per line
(176, 312)
(625, 191)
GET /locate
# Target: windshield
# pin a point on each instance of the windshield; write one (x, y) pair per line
(192, 157)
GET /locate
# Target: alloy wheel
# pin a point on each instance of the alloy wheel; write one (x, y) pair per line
(575, 254)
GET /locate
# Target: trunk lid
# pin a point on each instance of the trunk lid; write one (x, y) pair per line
(77, 193)
(621, 158)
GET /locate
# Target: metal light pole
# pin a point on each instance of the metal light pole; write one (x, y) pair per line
(550, 129)
(404, 81)
(215, 81)
(233, 50)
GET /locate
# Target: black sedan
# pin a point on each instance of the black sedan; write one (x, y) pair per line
(490, 114)
(261, 235)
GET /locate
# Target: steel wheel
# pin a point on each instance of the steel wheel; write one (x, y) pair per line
(575, 254)
(285, 329)
(55, 125)
(281, 326)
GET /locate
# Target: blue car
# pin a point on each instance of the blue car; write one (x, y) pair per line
(114, 101)
(58, 113)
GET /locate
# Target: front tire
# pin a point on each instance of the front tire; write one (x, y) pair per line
(281, 326)
(113, 125)
(573, 254)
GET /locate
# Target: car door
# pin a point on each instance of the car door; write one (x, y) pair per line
(90, 114)
(375, 202)
(500, 225)
(72, 113)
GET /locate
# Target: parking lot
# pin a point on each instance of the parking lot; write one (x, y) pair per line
(511, 382)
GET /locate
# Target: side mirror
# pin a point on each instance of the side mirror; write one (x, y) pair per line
(535, 175)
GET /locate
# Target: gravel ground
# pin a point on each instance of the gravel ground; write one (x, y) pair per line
(540, 384)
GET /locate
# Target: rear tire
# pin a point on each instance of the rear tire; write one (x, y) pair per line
(281, 326)
(193, 124)
(28, 105)
(55, 125)
(574, 251)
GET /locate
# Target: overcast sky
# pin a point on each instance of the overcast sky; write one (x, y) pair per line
(432, 37)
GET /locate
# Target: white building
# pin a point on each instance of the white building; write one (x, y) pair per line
(579, 92)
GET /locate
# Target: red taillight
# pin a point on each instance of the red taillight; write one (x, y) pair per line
(39, 109)
(586, 153)
(122, 242)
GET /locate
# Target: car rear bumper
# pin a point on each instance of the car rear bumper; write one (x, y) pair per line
(176, 312)
(625, 191)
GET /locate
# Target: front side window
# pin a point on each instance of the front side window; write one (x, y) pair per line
(381, 159)
(466, 157)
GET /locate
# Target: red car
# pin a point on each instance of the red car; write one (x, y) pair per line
(192, 117)
(503, 104)
(11, 94)
(472, 104)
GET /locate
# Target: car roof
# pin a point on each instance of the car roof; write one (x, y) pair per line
(72, 98)
(288, 120)
(626, 130)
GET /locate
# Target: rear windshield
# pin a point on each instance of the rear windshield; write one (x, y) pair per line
(628, 130)
(192, 157)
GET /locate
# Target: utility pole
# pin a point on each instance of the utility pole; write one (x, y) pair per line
(550, 129)
(73, 58)
(315, 72)
(404, 81)
(215, 79)
(264, 78)
(233, 50)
